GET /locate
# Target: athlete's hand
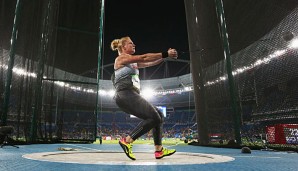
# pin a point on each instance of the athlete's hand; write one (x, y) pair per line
(173, 53)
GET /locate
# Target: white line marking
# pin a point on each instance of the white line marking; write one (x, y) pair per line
(89, 157)
(259, 157)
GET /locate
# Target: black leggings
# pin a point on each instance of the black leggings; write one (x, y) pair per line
(132, 103)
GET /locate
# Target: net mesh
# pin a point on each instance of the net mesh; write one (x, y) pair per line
(45, 102)
(265, 75)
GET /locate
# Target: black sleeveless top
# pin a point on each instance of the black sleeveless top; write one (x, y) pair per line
(126, 77)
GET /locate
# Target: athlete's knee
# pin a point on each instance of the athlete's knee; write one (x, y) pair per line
(161, 116)
(154, 121)
(158, 119)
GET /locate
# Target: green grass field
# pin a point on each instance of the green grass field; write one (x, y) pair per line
(168, 141)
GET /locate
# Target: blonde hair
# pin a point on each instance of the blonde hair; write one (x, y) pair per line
(117, 44)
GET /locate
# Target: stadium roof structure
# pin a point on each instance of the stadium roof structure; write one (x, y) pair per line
(174, 91)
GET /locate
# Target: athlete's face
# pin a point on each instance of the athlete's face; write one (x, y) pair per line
(129, 47)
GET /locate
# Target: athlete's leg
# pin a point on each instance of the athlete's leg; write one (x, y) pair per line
(157, 132)
(132, 103)
(160, 151)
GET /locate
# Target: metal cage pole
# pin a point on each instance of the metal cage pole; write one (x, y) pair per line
(226, 48)
(101, 19)
(10, 63)
(40, 71)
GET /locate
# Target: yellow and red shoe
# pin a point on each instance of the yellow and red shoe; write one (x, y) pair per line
(164, 152)
(127, 148)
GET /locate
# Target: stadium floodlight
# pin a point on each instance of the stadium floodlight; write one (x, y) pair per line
(59, 83)
(88, 90)
(238, 71)
(111, 93)
(102, 92)
(188, 88)
(294, 44)
(147, 93)
(20, 71)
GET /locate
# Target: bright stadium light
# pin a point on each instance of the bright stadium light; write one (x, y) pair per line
(59, 83)
(111, 93)
(147, 93)
(88, 90)
(294, 44)
(258, 62)
(188, 88)
(102, 92)
(20, 71)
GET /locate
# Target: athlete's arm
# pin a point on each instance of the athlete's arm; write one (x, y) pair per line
(128, 59)
(149, 64)
(172, 53)
(145, 60)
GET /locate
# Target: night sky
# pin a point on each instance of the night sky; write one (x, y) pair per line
(154, 26)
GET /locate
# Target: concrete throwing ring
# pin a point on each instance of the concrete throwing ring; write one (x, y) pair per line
(119, 158)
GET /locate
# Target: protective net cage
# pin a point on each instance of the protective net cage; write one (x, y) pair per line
(265, 76)
(43, 54)
(45, 103)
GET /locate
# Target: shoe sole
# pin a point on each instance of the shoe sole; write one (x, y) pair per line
(125, 149)
(165, 155)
